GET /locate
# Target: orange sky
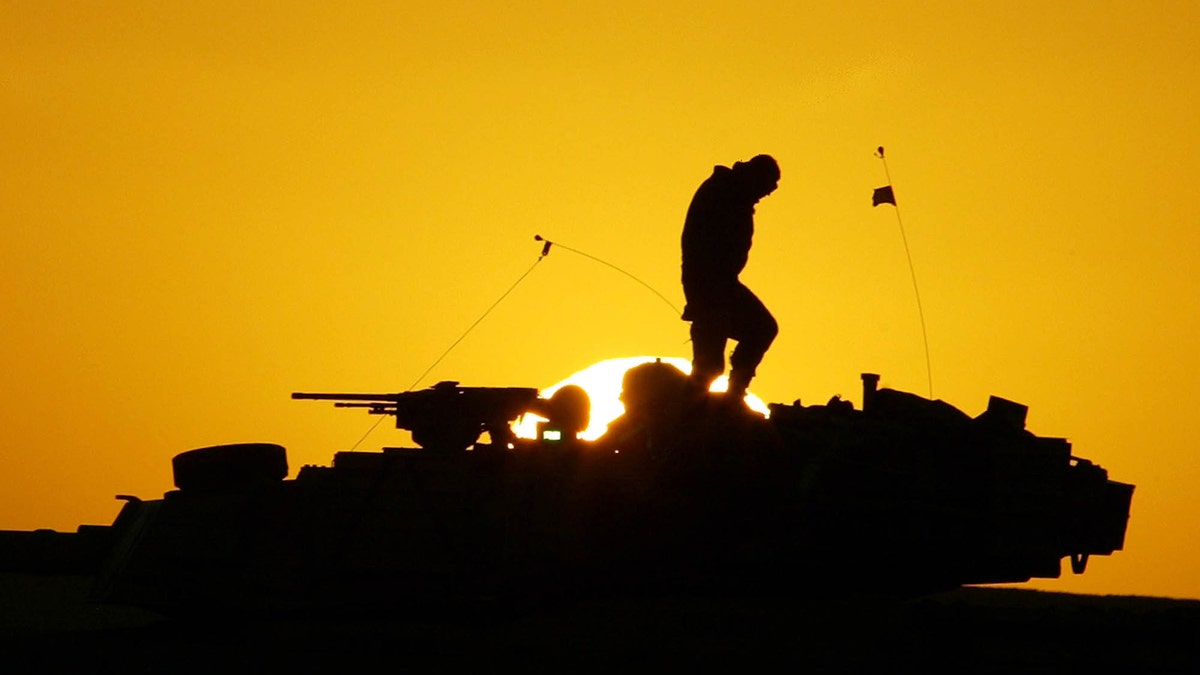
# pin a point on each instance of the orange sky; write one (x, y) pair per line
(207, 206)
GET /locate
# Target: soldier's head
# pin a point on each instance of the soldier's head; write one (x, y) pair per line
(760, 174)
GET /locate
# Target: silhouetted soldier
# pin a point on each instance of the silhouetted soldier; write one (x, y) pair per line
(716, 244)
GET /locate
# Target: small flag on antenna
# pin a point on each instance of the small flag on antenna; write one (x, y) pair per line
(883, 195)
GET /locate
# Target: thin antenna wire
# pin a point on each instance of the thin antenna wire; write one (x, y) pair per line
(545, 250)
(911, 269)
(549, 243)
(364, 436)
(477, 321)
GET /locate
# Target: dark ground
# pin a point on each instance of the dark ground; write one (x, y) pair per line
(47, 624)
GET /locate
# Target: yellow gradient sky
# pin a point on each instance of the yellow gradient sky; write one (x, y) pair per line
(207, 206)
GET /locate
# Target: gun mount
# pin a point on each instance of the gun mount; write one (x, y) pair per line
(907, 495)
(445, 417)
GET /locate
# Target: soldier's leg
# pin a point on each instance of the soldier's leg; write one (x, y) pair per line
(708, 352)
(754, 329)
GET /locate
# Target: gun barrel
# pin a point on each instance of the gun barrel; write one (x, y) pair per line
(321, 396)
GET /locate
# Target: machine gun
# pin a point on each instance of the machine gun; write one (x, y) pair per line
(447, 417)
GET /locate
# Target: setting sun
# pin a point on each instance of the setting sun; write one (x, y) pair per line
(602, 382)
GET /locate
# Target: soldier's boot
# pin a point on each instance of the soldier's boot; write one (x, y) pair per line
(739, 382)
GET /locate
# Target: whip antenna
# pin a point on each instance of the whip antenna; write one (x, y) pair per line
(886, 195)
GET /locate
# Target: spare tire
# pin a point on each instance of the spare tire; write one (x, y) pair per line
(235, 467)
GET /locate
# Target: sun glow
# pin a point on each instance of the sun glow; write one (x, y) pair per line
(602, 382)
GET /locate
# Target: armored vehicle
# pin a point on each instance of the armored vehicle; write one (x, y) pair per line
(683, 494)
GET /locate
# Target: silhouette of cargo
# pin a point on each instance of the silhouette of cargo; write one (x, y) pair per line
(906, 495)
